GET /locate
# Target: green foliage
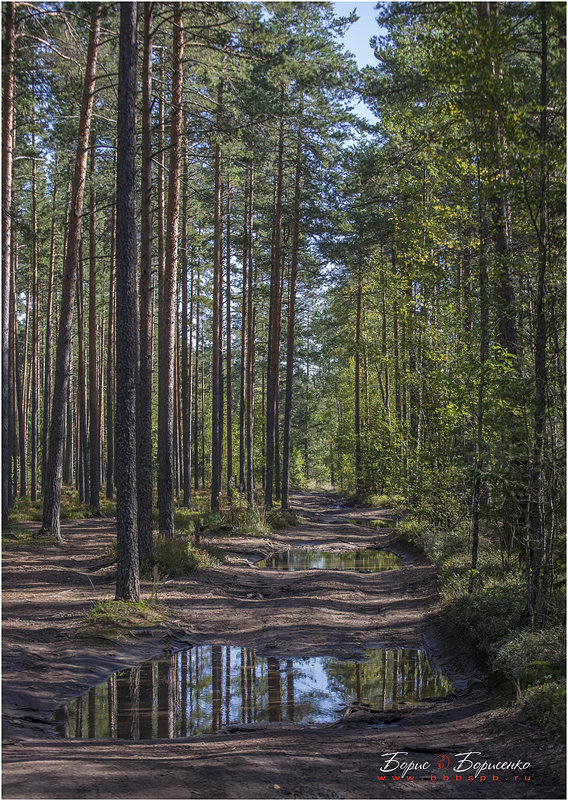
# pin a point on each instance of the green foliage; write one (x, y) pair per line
(533, 657)
(107, 618)
(281, 518)
(492, 616)
(71, 508)
(17, 537)
(179, 556)
(545, 705)
(387, 501)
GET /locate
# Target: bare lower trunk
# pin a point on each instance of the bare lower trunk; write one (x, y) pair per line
(229, 389)
(47, 353)
(7, 151)
(251, 332)
(358, 470)
(127, 581)
(167, 310)
(273, 361)
(196, 395)
(242, 399)
(110, 383)
(144, 422)
(34, 421)
(52, 493)
(186, 385)
(94, 431)
(82, 461)
(216, 410)
(292, 319)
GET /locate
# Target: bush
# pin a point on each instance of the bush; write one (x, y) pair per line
(178, 556)
(281, 518)
(532, 657)
(386, 501)
(493, 616)
(490, 613)
(545, 705)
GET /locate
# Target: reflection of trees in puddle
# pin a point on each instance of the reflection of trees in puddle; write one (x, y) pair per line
(202, 689)
(362, 561)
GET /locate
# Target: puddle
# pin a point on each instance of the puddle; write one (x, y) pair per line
(204, 688)
(363, 561)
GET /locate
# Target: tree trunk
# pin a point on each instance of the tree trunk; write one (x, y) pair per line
(229, 389)
(52, 494)
(94, 431)
(292, 317)
(82, 441)
(273, 362)
(277, 474)
(185, 361)
(69, 446)
(34, 422)
(47, 353)
(144, 421)
(127, 580)
(110, 375)
(358, 470)
(536, 533)
(251, 326)
(101, 378)
(18, 380)
(167, 310)
(243, 373)
(196, 413)
(7, 153)
(216, 413)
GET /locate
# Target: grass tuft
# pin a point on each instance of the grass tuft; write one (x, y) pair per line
(116, 618)
(179, 556)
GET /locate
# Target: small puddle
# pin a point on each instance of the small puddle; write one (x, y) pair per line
(362, 561)
(203, 688)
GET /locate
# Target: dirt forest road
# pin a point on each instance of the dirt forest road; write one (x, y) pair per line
(47, 589)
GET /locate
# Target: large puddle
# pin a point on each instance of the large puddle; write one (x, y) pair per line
(362, 561)
(206, 687)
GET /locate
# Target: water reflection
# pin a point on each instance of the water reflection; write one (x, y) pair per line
(363, 561)
(202, 689)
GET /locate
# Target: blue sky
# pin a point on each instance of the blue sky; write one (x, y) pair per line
(357, 39)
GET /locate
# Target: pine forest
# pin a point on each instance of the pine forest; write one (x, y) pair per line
(266, 298)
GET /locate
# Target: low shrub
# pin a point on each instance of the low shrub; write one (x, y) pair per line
(178, 556)
(532, 657)
(493, 616)
(281, 518)
(386, 501)
(545, 705)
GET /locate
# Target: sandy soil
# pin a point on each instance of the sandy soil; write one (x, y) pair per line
(46, 590)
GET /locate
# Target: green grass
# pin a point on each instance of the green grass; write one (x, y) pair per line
(382, 501)
(71, 507)
(116, 618)
(23, 538)
(377, 523)
(492, 617)
(179, 556)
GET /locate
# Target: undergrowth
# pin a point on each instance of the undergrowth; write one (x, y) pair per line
(17, 537)
(113, 618)
(71, 507)
(493, 617)
(382, 501)
(179, 556)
